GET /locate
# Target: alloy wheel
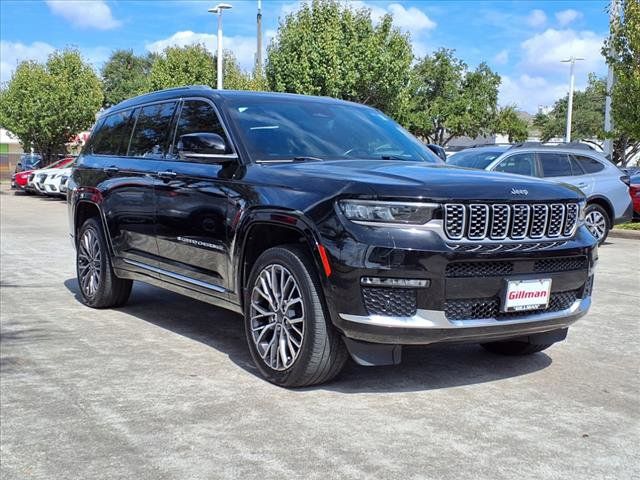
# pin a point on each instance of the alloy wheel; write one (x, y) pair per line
(89, 267)
(277, 317)
(596, 224)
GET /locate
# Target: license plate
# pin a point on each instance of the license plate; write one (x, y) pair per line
(523, 295)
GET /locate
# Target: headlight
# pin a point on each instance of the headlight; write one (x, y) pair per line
(401, 213)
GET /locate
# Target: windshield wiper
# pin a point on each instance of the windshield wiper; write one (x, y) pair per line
(303, 158)
(306, 158)
(398, 157)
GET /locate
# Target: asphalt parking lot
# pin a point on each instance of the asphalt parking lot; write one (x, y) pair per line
(165, 388)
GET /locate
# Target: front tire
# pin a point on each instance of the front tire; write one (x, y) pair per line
(290, 338)
(597, 222)
(514, 348)
(99, 286)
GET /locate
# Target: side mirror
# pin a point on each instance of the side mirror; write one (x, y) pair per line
(202, 145)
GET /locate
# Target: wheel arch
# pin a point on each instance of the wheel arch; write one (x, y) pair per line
(85, 209)
(270, 228)
(605, 204)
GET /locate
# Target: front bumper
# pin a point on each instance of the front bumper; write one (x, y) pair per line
(428, 327)
(461, 300)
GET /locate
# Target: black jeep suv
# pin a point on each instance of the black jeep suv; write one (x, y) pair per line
(329, 227)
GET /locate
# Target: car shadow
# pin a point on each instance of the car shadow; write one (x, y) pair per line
(422, 368)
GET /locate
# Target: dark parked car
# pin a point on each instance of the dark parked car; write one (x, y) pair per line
(329, 227)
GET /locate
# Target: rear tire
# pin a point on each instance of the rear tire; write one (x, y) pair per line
(515, 348)
(99, 286)
(290, 337)
(597, 222)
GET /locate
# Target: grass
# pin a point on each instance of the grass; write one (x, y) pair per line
(629, 226)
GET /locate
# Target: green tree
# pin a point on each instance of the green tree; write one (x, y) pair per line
(587, 116)
(509, 123)
(45, 105)
(194, 65)
(622, 50)
(125, 75)
(328, 48)
(447, 100)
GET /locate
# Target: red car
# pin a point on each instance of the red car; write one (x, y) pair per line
(20, 180)
(634, 190)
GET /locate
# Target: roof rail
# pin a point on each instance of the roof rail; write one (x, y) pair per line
(140, 97)
(570, 145)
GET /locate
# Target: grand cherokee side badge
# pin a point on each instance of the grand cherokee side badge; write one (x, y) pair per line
(519, 191)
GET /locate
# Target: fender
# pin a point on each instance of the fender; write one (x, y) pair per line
(292, 219)
(606, 201)
(92, 196)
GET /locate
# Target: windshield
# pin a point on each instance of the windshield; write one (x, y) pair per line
(474, 158)
(28, 161)
(285, 129)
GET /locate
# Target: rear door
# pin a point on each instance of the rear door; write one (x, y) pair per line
(192, 196)
(563, 167)
(129, 152)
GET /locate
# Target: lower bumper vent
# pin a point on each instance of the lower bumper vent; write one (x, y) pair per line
(395, 302)
(481, 308)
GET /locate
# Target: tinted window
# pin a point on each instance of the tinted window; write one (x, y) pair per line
(520, 164)
(285, 128)
(474, 158)
(197, 116)
(112, 136)
(555, 165)
(151, 133)
(588, 164)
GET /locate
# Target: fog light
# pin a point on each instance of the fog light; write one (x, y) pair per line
(394, 282)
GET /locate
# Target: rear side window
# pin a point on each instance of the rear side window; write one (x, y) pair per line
(113, 135)
(589, 164)
(520, 164)
(197, 116)
(556, 165)
(150, 137)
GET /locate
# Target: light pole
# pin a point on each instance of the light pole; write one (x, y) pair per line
(218, 9)
(259, 35)
(608, 120)
(572, 60)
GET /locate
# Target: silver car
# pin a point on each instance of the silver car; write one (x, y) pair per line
(604, 184)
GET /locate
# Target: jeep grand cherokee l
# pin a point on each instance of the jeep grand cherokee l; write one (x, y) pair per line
(328, 226)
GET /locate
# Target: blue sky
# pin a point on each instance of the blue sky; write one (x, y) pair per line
(523, 41)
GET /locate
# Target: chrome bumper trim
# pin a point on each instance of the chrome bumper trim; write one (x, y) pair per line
(436, 319)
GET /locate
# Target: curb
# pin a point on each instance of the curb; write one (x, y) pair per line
(621, 233)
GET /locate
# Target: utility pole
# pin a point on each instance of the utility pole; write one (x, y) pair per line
(259, 33)
(572, 60)
(608, 120)
(218, 9)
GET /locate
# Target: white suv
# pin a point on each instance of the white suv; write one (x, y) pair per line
(604, 184)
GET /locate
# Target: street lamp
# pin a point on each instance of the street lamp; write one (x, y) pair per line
(572, 60)
(218, 9)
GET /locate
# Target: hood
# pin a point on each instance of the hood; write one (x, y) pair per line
(436, 182)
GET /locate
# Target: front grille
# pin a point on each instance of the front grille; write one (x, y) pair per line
(31, 176)
(567, 264)
(395, 302)
(503, 247)
(482, 308)
(506, 267)
(518, 221)
(478, 269)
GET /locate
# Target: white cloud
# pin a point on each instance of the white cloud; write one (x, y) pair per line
(12, 53)
(502, 57)
(85, 13)
(544, 51)
(536, 18)
(243, 47)
(411, 19)
(530, 92)
(565, 17)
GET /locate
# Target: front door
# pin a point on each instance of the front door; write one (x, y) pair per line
(192, 199)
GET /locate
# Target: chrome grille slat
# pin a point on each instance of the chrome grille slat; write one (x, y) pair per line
(479, 222)
(500, 217)
(519, 221)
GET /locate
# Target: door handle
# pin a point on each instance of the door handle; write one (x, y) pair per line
(112, 170)
(582, 185)
(168, 174)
